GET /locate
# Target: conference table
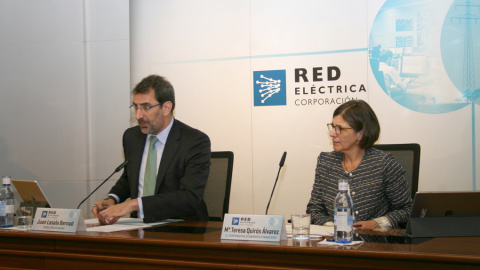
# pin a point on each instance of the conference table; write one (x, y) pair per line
(198, 245)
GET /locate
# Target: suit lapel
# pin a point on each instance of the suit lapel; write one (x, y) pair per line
(136, 160)
(169, 151)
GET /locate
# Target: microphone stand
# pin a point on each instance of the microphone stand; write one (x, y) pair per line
(282, 161)
(116, 170)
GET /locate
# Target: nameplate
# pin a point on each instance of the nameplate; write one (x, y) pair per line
(59, 220)
(253, 227)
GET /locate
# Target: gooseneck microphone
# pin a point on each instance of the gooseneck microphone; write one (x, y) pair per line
(282, 161)
(116, 170)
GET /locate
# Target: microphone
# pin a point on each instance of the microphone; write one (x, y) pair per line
(120, 167)
(282, 161)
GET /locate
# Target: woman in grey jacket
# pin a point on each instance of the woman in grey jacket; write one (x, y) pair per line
(380, 193)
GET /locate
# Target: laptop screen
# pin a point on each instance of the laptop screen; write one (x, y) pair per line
(441, 214)
(30, 191)
(445, 204)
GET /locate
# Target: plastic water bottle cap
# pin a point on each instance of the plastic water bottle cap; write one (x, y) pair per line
(6, 180)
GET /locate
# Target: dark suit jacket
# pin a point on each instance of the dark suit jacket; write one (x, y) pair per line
(182, 175)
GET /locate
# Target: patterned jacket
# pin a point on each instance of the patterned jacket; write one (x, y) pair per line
(377, 186)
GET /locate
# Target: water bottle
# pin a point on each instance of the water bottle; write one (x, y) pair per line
(7, 204)
(343, 214)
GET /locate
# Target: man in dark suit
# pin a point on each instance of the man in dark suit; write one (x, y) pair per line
(168, 162)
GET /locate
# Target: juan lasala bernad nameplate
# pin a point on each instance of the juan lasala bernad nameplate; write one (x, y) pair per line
(60, 220)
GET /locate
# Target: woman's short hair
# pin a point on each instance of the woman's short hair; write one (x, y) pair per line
(360, 116)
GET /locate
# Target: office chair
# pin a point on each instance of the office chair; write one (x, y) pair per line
(217, 191)
(407, 155)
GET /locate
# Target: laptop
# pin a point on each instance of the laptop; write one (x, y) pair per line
(455, 213)
(31, 193)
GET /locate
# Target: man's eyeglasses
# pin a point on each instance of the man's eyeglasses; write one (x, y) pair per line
(338, 129)
(143, 108)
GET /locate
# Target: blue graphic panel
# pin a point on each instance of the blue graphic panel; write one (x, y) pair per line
(411, 64)
(460, 47)
(269, 88)
(424, 58)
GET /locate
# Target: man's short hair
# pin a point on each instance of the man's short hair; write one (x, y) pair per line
(163, 89)
(360, 116)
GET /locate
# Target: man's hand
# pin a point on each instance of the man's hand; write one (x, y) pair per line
(113, 213)
(102, 205)
(369, 224)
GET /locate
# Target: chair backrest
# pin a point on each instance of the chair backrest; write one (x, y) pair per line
(217, 191)
(407, 155)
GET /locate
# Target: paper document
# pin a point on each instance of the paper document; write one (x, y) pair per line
(315, 230)
(124, 224)
(115, 228)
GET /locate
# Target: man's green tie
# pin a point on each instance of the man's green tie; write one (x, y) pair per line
(150, 178)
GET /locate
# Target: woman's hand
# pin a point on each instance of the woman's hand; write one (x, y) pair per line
(369, 224)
